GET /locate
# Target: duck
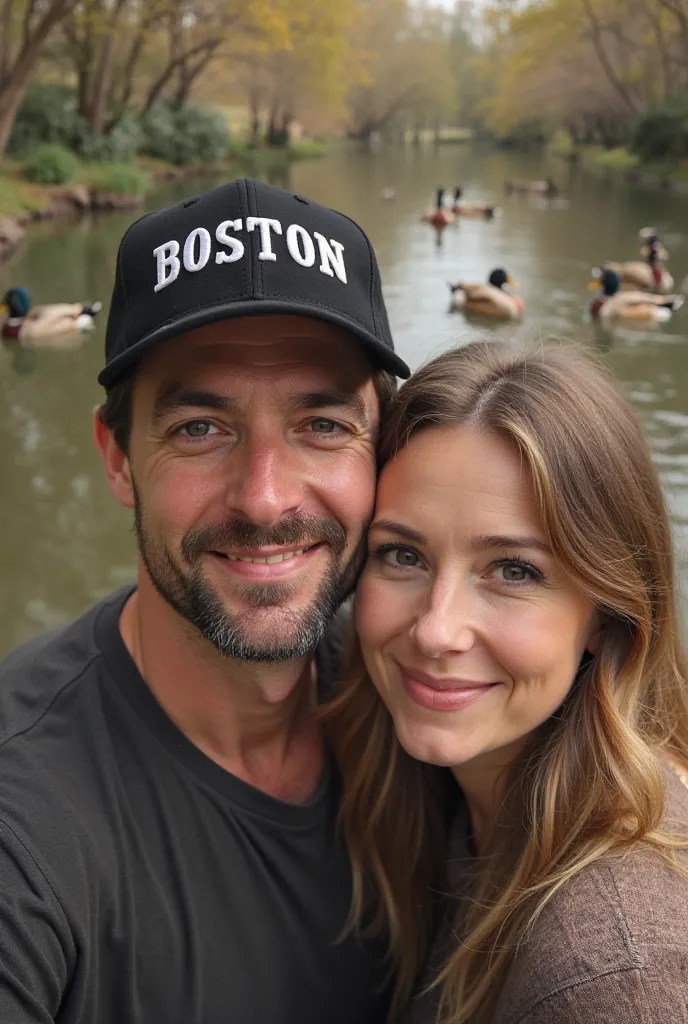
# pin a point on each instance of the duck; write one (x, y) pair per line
(647, 275)
(439, 217)
(474, 209)
(489, 299)
(543, 186)
(388, 195)
(615, 304)
(650, 237)
(26, 323)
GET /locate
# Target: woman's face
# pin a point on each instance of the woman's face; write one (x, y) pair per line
(471, 630)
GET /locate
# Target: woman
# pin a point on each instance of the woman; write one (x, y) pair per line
(518, 633)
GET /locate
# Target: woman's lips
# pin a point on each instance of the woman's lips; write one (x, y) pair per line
(442, 693)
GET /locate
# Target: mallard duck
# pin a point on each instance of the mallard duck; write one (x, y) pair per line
(439, 217)
(650, 238)
(544, 186)
(474, 209)
(649, 276)
(27, 324)
(488, 299)
(615, 304)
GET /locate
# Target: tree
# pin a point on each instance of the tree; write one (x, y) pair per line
(25, 25)
(405, 55)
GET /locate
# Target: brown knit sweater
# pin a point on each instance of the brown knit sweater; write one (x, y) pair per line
(611, 947)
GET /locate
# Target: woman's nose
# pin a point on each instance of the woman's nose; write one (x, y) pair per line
(446, 626)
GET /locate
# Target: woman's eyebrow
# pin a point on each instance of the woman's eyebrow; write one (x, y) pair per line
(484, 541)
(402, 531)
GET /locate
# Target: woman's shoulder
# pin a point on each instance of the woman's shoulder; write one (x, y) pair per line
(612, 944)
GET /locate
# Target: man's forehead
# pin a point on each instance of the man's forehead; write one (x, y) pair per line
(287, 343)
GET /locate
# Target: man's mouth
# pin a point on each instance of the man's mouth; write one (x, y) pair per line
(266, 556)
(280, 556)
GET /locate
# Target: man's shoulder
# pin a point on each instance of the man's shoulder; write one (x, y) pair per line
(34, 675)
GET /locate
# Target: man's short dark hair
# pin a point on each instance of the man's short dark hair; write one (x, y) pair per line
(116, 410)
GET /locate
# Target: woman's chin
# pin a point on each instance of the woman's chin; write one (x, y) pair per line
(433, 745)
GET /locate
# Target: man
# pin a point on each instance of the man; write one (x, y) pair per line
(168, 852)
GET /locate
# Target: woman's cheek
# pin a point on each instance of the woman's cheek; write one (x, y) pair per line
(382, 609)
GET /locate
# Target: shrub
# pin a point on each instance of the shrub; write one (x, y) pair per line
(184, 135)
(121, 179)
(662, 133)
(118, 146)
(48, 114)
(51, 164)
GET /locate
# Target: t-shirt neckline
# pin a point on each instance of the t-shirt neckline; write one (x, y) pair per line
(129, 681)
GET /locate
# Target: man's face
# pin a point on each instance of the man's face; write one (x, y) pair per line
(252, 460)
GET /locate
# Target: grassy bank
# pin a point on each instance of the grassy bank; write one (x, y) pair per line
(21, 198)
(621, 160)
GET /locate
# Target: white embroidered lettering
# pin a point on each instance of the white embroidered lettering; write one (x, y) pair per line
(167, 258)
(234, 244)
(264, 224)
(190, 260)
(298, 239)
(331, 257)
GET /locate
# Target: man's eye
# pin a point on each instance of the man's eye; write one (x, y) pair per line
(322, 426)
(198, 428)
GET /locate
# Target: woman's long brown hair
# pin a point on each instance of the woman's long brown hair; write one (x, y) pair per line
(590, 783)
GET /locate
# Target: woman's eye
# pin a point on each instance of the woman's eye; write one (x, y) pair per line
(517, 573)
(198, 428)
(400, 558)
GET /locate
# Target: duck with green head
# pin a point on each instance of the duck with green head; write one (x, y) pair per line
(615, 304)
(490, 299)
(26, 323)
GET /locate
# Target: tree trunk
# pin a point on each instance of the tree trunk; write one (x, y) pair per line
(207, 48)
(254, 101)
(596, 33)
(5, 37)
(15, 81)
(104, 74)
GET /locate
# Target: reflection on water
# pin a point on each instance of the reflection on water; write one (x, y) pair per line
(63, 539)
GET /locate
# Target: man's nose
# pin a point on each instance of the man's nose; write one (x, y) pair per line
(447, 624)
(269, 484)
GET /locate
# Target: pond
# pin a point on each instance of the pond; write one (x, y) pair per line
(64, 541)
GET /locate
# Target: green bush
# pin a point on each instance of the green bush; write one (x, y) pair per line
(121, 179)
(184, 135)
(118, 146)
(51, 164)
(48, 114)
(662, 133)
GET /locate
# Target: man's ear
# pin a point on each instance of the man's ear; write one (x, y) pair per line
(115, 462)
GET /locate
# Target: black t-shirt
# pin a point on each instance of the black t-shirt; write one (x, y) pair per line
(140, 883)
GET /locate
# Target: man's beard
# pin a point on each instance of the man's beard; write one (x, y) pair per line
(290, 633)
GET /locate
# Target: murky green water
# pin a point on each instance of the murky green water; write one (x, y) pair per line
(64, 541)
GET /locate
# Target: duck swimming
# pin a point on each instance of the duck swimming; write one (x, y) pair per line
(649, 275)
(26, 323)
(474, 209)
(615, 304)
(488, 299)
(439, 217)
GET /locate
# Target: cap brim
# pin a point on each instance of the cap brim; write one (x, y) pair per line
(381, 357)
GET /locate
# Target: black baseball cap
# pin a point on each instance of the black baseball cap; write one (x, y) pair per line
(243, 249)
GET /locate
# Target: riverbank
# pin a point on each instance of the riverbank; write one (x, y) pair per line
(103, 187)
(620, 162)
